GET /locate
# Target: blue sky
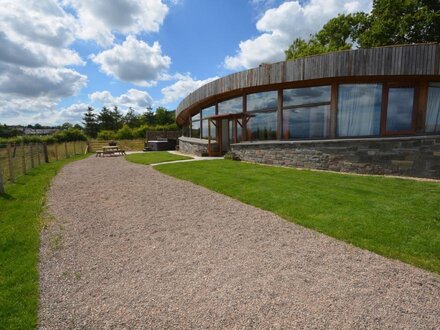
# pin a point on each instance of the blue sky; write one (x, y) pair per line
(60, 56)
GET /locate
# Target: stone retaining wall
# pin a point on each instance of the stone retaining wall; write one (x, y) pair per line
(192, 146)
(409, 156)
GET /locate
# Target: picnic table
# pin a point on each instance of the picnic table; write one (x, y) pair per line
(110, 151)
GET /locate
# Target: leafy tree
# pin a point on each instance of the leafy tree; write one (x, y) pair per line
(164, 117)
(132, 119)
(148, 117)
(390, 22)
(106, 120)
(66, 126)
(90, 123)
(117, 118)
(394, 22)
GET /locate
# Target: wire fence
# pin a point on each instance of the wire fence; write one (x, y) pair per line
(18, 159)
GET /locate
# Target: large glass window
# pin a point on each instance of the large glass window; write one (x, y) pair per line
(195, 126)
(400, 109)
(232, 130)
(262, 101)
(208, 112)
(231, 106)
(306, 123)
(263, 125)
(432, 122)
(205, 130)
(185, 131)
(306, 112)
(359, 108)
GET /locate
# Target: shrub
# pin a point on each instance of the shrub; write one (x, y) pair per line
(106, 135)
(125, 133)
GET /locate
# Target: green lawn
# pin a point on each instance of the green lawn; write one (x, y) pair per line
(20, 224)
(393, 217)
(153, 157)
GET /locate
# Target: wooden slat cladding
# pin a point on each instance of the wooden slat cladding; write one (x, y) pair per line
(407, 60)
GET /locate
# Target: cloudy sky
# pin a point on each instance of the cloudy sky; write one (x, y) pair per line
(59, 56)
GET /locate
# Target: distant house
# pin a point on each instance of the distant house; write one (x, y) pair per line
(39, 131)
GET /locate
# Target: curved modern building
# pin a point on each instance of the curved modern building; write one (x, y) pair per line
(367, 111)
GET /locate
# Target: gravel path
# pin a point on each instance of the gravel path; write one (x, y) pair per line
(132, 248)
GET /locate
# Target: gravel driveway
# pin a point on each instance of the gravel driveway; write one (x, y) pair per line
(131, 248)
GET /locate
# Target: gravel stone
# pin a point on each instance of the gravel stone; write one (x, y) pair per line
(131, 248)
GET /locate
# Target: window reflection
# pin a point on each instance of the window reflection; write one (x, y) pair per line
(231, 106)
(263, 126)
(359, 109)
(205, 130)
(262, 101)
(308, 95)
(232, 129)
(195, 129)
(400, 109)
(432, 123)
(208, 112)
(306, 123)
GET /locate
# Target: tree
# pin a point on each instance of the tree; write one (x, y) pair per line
(148, 118)
(117, 118)
(66, 126)
(390, 22)
(132, 119)
(90, 123)
(164, 117)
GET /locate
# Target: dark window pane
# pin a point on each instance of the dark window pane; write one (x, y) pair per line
(208, 112)
(359, 109)
(205, 130)
(195, 129)
(262, 101)
(231, 106)
(306, 123)
(185, 131)
(400, 109)
(263, 125)
(432, 123)
(301, 96)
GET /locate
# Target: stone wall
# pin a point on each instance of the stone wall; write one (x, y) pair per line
(192, 146)
(417, 156)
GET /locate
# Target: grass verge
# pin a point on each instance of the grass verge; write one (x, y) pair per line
(153, 157)
(20, 224)
(396, 218)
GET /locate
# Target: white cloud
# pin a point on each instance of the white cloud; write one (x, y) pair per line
(182, 87)
(134, 61)
(35, 37)
(280, 26)
(133, 98)
(99, 18)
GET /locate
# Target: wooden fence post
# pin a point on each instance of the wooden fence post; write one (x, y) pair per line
(65, 149)
(74, 149)
(46, 154)
(23, 157)
(56, 151)
(38, 153)
(2, 187)
(31, 148)
(11, 168)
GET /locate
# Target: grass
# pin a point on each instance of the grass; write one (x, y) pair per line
(153, 157)
(396, 218)
(21, 219)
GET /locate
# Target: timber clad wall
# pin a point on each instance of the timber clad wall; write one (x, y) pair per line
(412, 156)
(408, 60)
